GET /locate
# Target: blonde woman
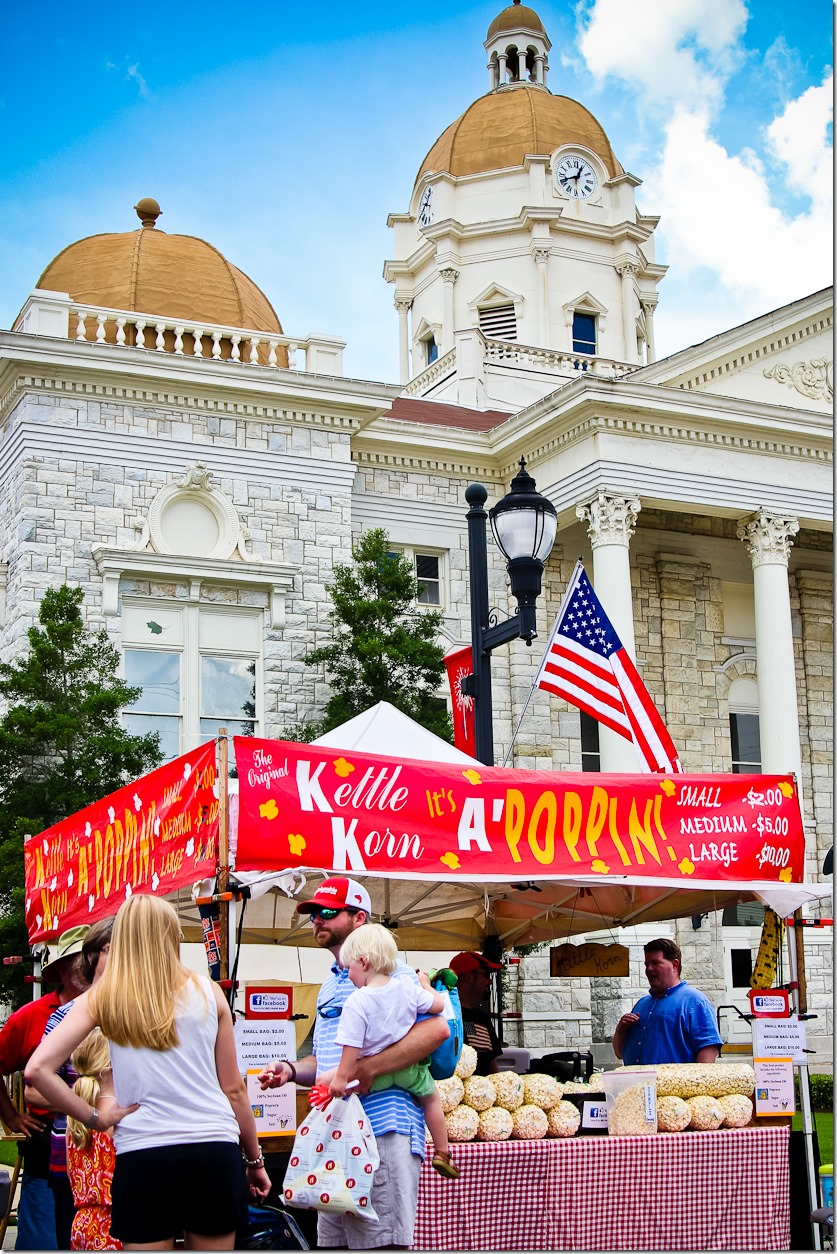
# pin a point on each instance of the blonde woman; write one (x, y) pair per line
(180, 1106)
(90, 1152)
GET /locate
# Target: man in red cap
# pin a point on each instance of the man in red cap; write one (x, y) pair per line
(473, 980)
(338, 907)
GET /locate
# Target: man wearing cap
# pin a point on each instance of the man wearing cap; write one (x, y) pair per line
(338, 907)
(19, 1037)
(473, 980)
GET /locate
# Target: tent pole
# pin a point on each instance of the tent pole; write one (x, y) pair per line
(796, 967)
(223, 848)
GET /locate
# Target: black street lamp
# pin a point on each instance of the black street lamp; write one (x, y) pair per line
(523, 525)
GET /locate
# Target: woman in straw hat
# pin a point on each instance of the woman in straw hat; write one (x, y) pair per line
(180, 1108)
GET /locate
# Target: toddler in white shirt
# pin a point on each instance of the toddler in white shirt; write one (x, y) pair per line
(381, 1012)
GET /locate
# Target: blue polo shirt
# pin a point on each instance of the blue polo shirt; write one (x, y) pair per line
(673, 1027)
(388, 1110)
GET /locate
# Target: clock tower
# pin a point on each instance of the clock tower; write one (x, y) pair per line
(522, 252)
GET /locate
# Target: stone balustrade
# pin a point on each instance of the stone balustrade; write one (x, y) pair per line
(553, 361)
(55, 314)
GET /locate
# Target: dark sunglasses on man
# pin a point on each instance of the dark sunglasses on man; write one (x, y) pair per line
(328, 912)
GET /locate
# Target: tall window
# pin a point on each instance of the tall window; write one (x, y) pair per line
(431, 350)
(591, 758)
(584, 332)
(427, 568)
(198, 668)
(746, 748)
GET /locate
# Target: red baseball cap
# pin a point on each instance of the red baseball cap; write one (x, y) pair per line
(337, 893)
(470, 961)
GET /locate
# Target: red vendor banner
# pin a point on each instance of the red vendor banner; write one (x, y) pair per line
(152, 836)
(304, 805)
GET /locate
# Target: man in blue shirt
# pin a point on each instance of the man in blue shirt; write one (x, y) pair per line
(338, 907)
(673, 1022)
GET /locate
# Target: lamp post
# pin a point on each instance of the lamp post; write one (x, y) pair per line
(523, 525)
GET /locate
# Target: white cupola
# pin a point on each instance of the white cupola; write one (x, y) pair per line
(517, 47)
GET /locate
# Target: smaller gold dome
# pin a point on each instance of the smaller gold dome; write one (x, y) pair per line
(172, 277)
(500, 129)
(515, 16)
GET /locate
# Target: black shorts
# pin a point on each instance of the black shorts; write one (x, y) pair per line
(158, 1193)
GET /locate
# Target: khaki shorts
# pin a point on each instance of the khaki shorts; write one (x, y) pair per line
(394, 1196)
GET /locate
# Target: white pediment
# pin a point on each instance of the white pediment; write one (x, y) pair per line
(784, 358)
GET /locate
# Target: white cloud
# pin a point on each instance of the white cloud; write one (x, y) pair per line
(134, 73)
(799, 139)
(682, 51)
(717, 213)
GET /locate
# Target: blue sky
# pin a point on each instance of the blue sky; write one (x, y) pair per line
(285, 137)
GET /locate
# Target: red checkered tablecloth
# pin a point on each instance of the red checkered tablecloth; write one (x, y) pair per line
(725, 1190)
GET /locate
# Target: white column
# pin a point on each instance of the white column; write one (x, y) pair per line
(403, 307)
(449, 277)
(626, 270)
(502, 60)
(768, 538)
(541, 256)
(539, 60)
(611, 521)
(648, 307)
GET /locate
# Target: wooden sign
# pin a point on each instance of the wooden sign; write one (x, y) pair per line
(572, 960)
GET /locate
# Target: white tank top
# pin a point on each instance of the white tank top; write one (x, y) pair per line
(181, 1101)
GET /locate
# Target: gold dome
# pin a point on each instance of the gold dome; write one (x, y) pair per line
(499, 129)
(170, 276)
(515, 16)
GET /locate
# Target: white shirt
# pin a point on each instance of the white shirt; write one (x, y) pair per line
(180, 1099)
(374, 1018)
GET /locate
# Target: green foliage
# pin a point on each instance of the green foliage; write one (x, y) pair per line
(382, 647)
(822, 1092)
(61, 746)
(302, 732)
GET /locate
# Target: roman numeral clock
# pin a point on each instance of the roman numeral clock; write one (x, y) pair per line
(576, 178)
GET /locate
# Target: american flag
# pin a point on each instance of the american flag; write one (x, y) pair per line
(586, 664)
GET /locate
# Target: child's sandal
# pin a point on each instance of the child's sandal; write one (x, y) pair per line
(442, 1163)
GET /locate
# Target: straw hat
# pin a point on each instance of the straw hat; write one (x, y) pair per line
(69, 944)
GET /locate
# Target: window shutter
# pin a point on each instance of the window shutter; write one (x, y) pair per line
(498, 322)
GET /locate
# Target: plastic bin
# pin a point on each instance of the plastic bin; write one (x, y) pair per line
(827, 1184)
(631, 1102)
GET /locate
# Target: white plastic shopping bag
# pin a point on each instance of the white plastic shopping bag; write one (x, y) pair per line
(333, 1160)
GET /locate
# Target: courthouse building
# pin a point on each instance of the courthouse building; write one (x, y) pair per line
(168, 447)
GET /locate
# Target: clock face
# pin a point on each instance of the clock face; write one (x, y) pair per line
(425, 214)
(576, 178)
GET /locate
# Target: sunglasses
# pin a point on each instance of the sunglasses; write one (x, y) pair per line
(328, 1011)
(328, 912)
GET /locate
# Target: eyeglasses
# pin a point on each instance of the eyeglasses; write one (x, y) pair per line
(328, 912)
(328, 1011)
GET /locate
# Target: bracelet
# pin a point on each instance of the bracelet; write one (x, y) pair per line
(253, 1162)
(293, 1071)
(93, 1120)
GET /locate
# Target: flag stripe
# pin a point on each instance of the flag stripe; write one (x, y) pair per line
(606, 696)
(600, 713)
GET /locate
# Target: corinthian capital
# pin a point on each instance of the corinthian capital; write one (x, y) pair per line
(610, 519)
(768, 537)
(449, 275)
(403, 306)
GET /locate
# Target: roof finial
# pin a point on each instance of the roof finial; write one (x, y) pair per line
(148, 211)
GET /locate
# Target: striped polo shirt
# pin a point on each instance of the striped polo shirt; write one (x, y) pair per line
(390, 1110)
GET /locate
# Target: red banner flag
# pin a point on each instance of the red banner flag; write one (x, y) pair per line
(304, 805)
(152, 836)
(458, 665)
